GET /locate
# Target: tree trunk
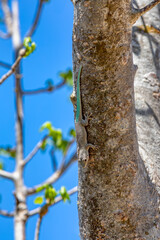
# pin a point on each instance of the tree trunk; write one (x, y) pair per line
(20, 191)
(116, 198)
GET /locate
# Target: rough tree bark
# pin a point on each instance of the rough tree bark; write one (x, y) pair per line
(116, 199)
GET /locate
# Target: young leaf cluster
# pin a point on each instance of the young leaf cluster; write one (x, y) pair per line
(8, 152)
(67, 76)
(56, 137)
(50, 194)
(29, 46)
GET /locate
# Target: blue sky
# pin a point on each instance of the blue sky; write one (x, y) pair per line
(53, 54)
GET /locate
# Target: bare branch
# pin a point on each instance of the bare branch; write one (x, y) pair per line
(54, 177)
(4, 35)
(66, 152)
(35, 150)
(5, 65)
(57, 199)
(6, 214)
(148, 36)
(6, 174)
(139, 12)
(38, 225)
(53, 159)
(44, 90)
(14, 66)
(7, 19)
(36, 19)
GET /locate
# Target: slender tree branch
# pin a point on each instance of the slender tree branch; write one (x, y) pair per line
(46, 206)
(148, 35)
(5, 65)
(4, 35)
(44, 90)
(6, 174)
(66, 152)
(35, 150)
(14, 66)
(136, 13)
(54, 177)
(38, 225)
(6, 214)
(7, 18)
(37, 91)
(36, 19)
(53, 159)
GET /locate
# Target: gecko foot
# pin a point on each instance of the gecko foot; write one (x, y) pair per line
(84, 121)
(89, 145)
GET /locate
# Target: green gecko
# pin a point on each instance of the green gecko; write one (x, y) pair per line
(80, 124)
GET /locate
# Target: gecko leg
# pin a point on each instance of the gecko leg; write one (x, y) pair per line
(85, 121)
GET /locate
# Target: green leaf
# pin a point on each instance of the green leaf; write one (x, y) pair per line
(64, 145)
(44, 145)
(39, 200)
(46, 125)
(33, 46)
(27, 41)
(72, 133)
(8, 152)
(29, 46)
(56, 136)
(41, 188)
(67, 76)
(1, 165)
(50, 193)
(63, 192)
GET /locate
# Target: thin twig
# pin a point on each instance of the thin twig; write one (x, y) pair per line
(66, 152)
(38, 225)
(54, 177)
(139, 12)
(36, 19)
(150, 41)
(14, 66)
(7, 18)
(35, 150)
(44, 90)
(148, 35)
(6, 214)
(4, 35)
(57, 200)
(6, 174)
(53, 159)
(5, 65)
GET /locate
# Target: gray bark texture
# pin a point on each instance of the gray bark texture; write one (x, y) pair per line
(147, 80)
(116, 199)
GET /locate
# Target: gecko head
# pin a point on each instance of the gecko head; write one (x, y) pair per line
(83, 155)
